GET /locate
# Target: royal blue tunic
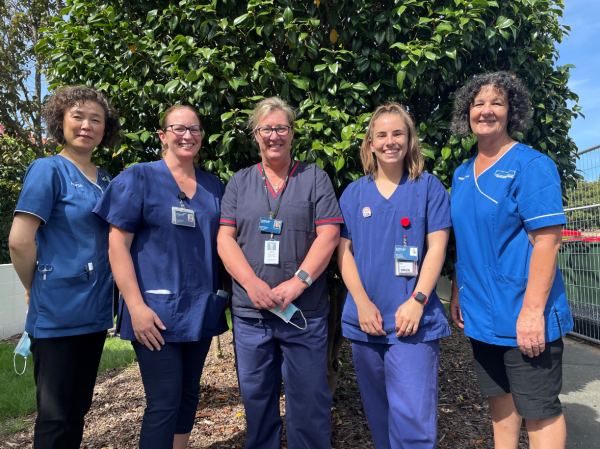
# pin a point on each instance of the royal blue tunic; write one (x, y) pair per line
(373, 224)
(176, 266)
(72, 299)
(492, 215)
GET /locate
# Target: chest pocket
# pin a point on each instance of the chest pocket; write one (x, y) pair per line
(300, 216)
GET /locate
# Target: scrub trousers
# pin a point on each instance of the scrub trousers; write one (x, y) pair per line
(399, 389)
(267, 351)
(171, 379)
(64, 369)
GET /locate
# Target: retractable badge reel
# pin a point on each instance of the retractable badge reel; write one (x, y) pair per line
(406, 258)
(181, 216)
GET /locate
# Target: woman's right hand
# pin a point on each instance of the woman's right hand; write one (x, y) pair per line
(145, 323)
(455, 309)
(261, 294)
(370, 318)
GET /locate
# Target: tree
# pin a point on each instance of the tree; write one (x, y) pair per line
(334, 61)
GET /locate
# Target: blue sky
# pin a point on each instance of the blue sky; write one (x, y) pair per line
(582, 48)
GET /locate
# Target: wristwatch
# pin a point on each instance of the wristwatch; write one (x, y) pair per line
(420, 297)
(304, 277)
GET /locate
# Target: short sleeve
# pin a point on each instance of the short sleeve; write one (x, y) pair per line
(438, 206)
(229, 203)
(41, 190)
(122, 202)
(538, 195)
(346, 207)
(327, 209)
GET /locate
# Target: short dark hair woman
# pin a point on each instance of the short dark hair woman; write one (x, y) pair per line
(508, 293)
(67, 278)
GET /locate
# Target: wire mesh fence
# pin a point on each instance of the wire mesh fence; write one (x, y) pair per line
(579, 256)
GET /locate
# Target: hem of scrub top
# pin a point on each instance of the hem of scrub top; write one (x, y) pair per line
(71, 332)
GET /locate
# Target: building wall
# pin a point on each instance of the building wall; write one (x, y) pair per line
(12, 302)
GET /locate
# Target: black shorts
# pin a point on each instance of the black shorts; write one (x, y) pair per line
(535, 383)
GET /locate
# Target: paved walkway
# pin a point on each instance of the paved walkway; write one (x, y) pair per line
(581, 394)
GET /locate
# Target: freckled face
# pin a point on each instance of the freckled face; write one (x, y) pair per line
(389, 143)
(489, 113)
(83, 126)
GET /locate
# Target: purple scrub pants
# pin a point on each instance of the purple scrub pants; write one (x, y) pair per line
(399, 389)
(267, 351)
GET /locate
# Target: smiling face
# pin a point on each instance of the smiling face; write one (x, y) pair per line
(83, 127)
(489, 113)
(186, 146)
(275, 148)
(389, 143)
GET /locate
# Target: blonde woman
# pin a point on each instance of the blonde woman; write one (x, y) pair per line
(280, 223)
(393, 244)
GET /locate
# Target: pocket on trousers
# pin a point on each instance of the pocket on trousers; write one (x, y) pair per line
(506, 295)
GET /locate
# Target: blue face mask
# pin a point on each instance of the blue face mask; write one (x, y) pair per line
(287, 314)
(22, 349)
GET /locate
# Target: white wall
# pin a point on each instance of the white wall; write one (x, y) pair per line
(12, 303)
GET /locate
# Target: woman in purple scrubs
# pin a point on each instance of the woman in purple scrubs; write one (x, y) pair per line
(392, 248)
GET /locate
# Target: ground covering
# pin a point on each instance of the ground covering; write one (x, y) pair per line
(115, 417)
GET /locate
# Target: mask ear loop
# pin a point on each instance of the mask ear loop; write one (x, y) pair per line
(295, 325)
(15, 365)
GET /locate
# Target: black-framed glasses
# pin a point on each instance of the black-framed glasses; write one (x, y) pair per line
(180, 130)
(266, 131)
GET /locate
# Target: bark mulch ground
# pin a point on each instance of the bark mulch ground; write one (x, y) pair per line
(116, 415)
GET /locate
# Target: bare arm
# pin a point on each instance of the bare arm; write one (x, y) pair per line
(143, 319)
(542, 269)
(455, 311)
(369, 317)
(409, 314)
(23, 252)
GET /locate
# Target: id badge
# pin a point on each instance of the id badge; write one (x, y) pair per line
(183, 217)
(271, 252)
(406, 260)
(270, 225)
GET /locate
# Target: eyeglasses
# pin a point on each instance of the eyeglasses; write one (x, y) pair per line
(280, 130)
(180, 130)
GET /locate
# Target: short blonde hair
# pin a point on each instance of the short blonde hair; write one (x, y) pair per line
(165, 122)
(413, 161)
(265, 107)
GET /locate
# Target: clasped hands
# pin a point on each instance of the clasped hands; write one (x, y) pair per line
(408, 316)
(265, 297)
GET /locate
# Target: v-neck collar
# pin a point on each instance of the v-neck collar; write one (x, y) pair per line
(276, 194)
(403, 180)
(83, 175)
(495, 162)
(177, 189)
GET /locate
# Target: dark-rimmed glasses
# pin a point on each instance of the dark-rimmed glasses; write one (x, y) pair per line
(180, 130)
(266, 131)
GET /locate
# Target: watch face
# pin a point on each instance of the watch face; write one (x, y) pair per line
(302, 274)
(420, 297)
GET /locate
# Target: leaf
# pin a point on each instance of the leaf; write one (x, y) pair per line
(145, 136)
(133, 136)
(320, 67)
(503, 22)
(171, 86)
(302, 84)
(427, 153)
(400, 79)
(333, 36)
(360, 86)
(444, 28)
(446, 152)
(213, 137)
(271, 58)
(288, 15)
(339, 163)
(240, 19)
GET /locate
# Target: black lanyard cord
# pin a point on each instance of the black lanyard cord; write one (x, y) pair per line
(264, 179)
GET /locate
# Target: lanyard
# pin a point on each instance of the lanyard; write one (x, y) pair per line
(264, 180)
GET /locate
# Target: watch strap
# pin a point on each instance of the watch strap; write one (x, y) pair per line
(304, 277)
(420, 298)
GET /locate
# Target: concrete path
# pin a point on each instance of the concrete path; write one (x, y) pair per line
(581, 394)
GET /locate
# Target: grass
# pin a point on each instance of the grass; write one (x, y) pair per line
(17, 393)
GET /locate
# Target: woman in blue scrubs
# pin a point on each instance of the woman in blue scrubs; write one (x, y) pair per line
(508, 293)
(391, 252)
(164, 219)
(67, 278)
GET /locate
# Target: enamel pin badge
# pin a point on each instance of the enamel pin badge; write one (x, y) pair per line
(366, 212)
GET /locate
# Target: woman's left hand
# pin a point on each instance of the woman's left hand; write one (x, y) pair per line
(408, 317)
(289, 290)
(531, 333)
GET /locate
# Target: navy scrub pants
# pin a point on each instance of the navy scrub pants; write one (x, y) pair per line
(399, 389)
(269, 350)
(171, 379)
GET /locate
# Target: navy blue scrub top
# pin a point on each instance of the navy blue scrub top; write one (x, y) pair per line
(308, 201)
(492, 215)
(373, 224)
(176, 266)
(71, 300)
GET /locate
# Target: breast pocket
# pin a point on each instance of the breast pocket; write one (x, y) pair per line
(300, 216)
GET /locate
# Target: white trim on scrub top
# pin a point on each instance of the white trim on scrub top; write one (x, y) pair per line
(475, 176)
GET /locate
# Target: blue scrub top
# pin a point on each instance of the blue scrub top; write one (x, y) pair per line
(176, 266)
(373, 224)
(492, 215)
(71, 300)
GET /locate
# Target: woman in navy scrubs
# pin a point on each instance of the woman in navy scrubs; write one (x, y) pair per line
(508, 293)
(164, 219)
(67, 278)
(392, 248)
(279, 227)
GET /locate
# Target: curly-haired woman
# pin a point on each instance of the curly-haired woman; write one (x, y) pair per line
(67, 278)
(508, 293)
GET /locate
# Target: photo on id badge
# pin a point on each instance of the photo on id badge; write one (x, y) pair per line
(271, 252)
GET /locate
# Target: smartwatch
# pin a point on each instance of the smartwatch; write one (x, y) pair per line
(304, 277)
(420, 298)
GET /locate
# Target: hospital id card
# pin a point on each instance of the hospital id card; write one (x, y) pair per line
(406, 260)
(270, 225)
(271, 252)
(183, 217)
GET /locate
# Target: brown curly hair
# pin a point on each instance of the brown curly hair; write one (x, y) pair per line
(67, 97)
